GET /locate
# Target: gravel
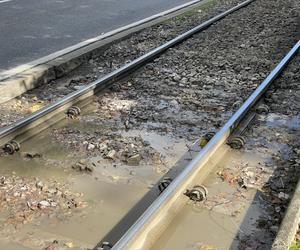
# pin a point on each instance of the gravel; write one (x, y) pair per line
(280, 148)
(113, 57)
(27, 198)
(196, 86)
(188, 91)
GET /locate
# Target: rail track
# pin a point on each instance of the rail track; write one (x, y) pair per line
(143, 233)
(101, 164)
(82, 95)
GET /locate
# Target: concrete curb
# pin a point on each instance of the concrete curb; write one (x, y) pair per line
(18, 80)
(289, 224)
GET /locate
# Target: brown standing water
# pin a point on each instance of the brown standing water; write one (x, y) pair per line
(108, 192)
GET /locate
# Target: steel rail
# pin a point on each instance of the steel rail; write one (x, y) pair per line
(146, 229)
(11, 131)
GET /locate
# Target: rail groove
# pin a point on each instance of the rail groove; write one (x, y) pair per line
(148, 227)
(46, 114)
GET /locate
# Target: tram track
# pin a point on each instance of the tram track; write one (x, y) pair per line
(156, 218)
(116, 132)
(47, 113)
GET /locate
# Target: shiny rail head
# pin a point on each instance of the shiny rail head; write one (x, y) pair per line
(117, 74)
(138, 231)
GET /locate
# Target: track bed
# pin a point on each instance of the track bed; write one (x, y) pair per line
(250, 189)
(90, 178)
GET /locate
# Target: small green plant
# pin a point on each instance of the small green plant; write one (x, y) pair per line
(295, 245)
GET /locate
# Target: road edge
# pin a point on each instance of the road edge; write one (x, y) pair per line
(20, 79)
(289, 224)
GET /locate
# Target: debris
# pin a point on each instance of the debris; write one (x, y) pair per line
(134, 160)
(83, 165)
(111, 154)
(39, 185)
(35, 107)
(31, 155)
(69, 244)
(282, 195)
(43, 204)
(90, 146)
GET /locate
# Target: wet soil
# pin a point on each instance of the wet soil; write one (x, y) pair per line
(112, 58)
(250, 189)
(134, 132)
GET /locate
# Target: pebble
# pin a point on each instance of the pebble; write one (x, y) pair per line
(77, 87)
(83, 165)
(132, 172)
(39, 184)
(162, 105)
(134, 160)
(102, 146)
(31, 155)
(282, 195)
(111, 154)
(174, 104)
(43, 204)
(90, 146)
(69, 244)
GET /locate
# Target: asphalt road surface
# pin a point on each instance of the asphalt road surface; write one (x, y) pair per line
(30, 29)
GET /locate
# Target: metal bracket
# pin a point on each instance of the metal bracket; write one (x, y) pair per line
(206, 138)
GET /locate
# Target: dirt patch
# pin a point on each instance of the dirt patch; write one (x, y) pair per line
(112, 58)
(188, 91)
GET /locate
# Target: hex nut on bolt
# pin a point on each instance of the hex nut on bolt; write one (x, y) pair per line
(11, 147)
(263, 109)
(105, 245)
(197, 193)
(164, 183)
(73, 112)
(237, 142)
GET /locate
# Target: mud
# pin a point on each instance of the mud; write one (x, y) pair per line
(43, 200)
(137, 129)
(112, 58)
(250, 189)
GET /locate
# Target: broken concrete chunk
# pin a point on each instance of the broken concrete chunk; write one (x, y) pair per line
(111, 154)
(90, 146)
(134, 160)
(83, 165)
(43, 204)
(31, 155)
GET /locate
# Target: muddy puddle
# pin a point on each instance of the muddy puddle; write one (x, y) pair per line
(248, 192)
(215, 223)
(275, 120)
(47, 202)
(73, 185)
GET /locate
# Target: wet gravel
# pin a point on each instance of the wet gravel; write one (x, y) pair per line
(25, 200)
(190, 90)
(113, 57)
(196, 86)
(263, 175)
(250, 189)
(276, 137)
